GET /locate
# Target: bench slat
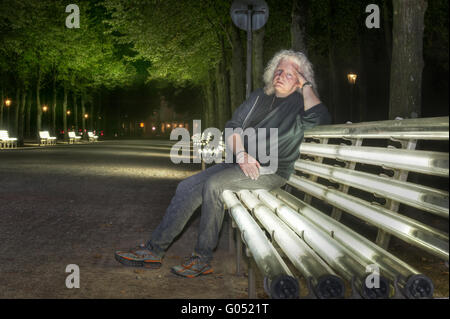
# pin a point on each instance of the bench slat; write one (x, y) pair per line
(268, 260)
(300, 254)
(408, 229)
(436, 128)
(432, 163)
(393, 267)
(422, 197)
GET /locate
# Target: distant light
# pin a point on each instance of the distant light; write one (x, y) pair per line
(142, 124)
(351, 78)
(181, 125)
(168, 125)
(45, 108)
(86, 116)
(8, 102)
(68, 112)
(153, 128)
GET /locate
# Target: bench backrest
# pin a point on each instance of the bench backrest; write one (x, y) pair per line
(371, 170)
(90, 134)
(4, 134)
(72, 134)
(44, 134)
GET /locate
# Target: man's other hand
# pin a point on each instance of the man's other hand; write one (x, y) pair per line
(249, 165)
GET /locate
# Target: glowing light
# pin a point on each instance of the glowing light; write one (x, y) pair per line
(86, 116)
(45, 108)
(351, 78)
(8, 102)
(68, 112)
(141, 124)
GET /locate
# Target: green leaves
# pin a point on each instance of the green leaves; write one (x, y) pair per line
(174, 36)
(34, 34)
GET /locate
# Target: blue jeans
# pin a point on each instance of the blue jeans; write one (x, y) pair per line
(205, 188)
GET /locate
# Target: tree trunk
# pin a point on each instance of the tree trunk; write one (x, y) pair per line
(226, 94)
(92, 114)
(211, 100)
(362, 76)
(333, 82)
(101, 113)
(83, 113)
(28, 115)
(407, 59)
(20, 135)
(220, 96)
(333, 85)
(15, 130)
(64, 112)
(298, 25)
(387, 30)
(258, 58)
(2, 97)
(205, 112)
(225, 86)
(237, 86)
(54, 105)
(75, 111)
(38, 103)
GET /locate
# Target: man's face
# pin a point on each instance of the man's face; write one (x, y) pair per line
(285, 80)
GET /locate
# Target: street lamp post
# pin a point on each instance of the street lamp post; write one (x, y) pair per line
(69, 124)
(8, 104)
(249, 15)
(351, 77)
(85, 117)
(45, 109)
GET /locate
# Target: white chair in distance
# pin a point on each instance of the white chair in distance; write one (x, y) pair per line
(73, 137)
(92, 137)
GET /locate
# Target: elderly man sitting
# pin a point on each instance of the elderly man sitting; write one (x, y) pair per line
(288, 103)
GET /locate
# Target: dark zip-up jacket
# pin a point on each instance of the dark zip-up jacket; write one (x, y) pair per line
(291, 120)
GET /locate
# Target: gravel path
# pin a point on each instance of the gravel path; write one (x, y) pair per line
(77, 204)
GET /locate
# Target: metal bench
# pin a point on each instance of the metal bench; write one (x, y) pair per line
(46, 139)
(6, 141)
(92, 137)
(73, 137)
(301, 225)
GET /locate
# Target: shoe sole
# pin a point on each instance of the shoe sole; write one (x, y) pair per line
(207, 272)
(136, 263)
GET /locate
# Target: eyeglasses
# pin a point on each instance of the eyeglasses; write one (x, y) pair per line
(288, 75)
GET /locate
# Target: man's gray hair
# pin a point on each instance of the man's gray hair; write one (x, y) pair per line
(298, 58)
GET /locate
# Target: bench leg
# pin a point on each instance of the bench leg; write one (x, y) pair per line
(238, 252)
(231, 247)
(383, 239)
(203, 165)
(251, 279)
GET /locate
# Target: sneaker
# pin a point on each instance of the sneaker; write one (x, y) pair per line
(193, 267)
(140, 256)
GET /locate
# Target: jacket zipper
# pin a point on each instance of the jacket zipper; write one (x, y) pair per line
(251, 110)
